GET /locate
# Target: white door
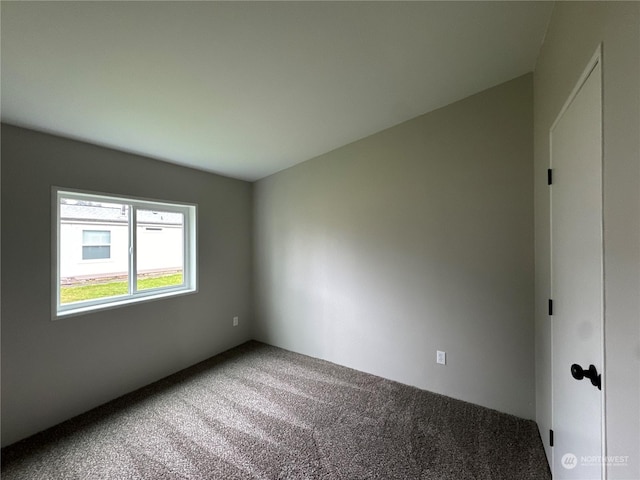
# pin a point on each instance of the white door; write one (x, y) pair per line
(577, 281)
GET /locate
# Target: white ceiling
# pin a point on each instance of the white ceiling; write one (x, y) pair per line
(247, 89)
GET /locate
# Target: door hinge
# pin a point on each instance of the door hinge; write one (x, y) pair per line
(549, 176)
(550, 307)
(551, 438)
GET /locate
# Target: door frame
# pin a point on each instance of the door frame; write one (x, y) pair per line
(591, 65)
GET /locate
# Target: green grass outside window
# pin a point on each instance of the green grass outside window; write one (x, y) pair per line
(69, 294)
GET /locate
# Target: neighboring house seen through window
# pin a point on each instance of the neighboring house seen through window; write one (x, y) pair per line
(113, 250)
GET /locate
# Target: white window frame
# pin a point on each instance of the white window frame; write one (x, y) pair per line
(134, 295)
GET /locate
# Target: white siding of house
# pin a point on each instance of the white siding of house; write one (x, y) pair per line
(157, 250)
(71, 262)
(160, 249)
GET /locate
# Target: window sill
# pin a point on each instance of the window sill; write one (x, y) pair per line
(146, 297)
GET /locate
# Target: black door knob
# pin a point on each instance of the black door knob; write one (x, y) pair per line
(592, 374)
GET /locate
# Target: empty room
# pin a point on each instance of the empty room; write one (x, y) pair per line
(305, 240)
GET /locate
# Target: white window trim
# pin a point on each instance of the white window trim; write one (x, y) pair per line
(189, 285)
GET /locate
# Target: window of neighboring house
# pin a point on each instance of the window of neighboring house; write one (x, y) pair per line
(96, 244)
(150, 245)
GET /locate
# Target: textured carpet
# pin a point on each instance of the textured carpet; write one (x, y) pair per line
(261, 412)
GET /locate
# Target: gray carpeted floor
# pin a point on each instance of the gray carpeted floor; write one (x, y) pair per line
(261, 412)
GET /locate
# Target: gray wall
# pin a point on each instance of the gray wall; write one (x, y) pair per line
(574, 33)
(52, 370)
(417, 238)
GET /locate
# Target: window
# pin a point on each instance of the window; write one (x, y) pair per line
(112, 251)
(96, 244)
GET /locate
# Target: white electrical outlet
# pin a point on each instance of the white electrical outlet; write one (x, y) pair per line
(441, 357)
(235, 321)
